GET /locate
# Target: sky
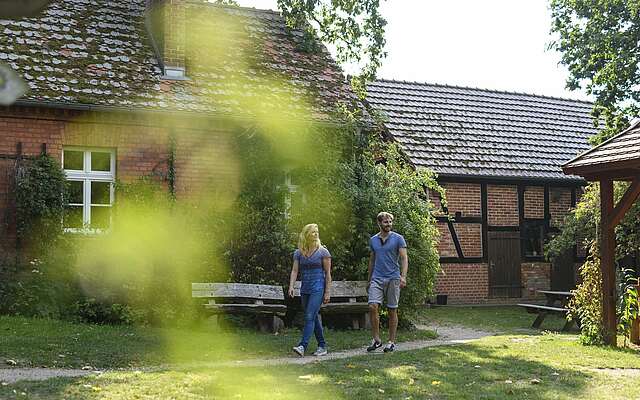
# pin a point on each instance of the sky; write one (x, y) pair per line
(488, 44)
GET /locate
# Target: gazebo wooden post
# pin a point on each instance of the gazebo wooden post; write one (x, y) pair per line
(607, 261)
(617, 159)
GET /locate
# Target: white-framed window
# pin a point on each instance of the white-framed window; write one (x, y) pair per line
(91, 173)
(294, 196)
(290, 192)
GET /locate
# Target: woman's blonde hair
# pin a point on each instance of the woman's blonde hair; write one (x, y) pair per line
(306, 243)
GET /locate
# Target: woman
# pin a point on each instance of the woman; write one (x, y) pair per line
(314, 262)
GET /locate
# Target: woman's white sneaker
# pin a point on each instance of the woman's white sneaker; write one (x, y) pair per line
(321, 351)
(299, 350)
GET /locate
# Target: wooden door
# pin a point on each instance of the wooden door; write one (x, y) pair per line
(562, 272)
(504, 264)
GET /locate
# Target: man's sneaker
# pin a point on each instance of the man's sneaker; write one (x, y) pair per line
(299, 350)
(389, 347)
(375, 345)
(321, 351)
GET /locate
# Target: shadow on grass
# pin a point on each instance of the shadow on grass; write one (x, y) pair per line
(491, 318)
(460, 372)
(495, 368)
(40, 342)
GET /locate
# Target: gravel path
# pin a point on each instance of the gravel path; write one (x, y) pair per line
(447, 335)
(11, 375)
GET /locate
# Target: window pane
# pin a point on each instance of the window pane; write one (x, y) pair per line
(100, 161)
(100, 193)
(73, 217)
(533, 237)
(73, 159)
(100, 217)
(75, 192)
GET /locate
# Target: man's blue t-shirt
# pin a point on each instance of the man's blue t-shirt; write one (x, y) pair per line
(386, 265)
(311, 270)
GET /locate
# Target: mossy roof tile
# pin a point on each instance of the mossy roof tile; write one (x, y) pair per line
(472, 132)
(100, 53)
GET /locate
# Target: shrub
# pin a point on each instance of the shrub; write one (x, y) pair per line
(41, 197)
(581, 226)
(586, 304)
(342, 189)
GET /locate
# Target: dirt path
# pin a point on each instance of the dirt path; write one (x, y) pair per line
(11, 375)
(447, 335)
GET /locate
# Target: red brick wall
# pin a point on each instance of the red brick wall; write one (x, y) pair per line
(534, 202)
(470, 237)
(203, 155)
(464, 198)
(446, 248)
(468, 283)
(502, 205)
(463, 283)
(559, 204)
(535, 276)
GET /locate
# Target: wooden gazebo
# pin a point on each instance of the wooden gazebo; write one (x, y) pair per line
(617, 159)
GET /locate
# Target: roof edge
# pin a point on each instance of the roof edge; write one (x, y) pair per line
(482, 90)
(573, 179)
(115, 109)
(591, 150)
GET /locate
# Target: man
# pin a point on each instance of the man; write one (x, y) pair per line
(388, 265)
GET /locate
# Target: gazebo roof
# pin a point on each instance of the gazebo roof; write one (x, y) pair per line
(618, 157)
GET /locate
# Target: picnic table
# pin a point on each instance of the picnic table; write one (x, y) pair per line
(556, 303)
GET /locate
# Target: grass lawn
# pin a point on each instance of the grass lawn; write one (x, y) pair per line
(504, 319)
(50, 343)
(515, 364)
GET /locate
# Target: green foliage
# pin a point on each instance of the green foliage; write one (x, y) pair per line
(41, 196)
(354, 27)
(628, 305)
(342, 190)
(598, 41)
(586, 304)
(258, 245)
(581, 226)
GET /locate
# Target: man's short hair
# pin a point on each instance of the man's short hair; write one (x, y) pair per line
(382, 215)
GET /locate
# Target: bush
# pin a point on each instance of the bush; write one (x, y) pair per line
(342, 189)
(580, 226)
(586, 304)
(41, 197)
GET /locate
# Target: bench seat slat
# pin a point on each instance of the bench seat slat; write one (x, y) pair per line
(237, 290)
(340, 289)
(277, 309)
(344, 308)
(535, 307)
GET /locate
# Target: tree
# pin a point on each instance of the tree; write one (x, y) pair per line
(354, 27)
(598, 40)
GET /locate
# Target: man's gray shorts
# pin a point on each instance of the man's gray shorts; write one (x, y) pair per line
(389, 288)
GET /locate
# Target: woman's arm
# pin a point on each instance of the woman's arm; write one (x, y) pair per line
(292, 278)
(326, 264)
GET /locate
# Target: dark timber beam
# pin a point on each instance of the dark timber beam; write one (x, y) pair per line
(607, 262)
(625, 202)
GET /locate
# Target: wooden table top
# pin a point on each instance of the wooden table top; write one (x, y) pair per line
(555, 293)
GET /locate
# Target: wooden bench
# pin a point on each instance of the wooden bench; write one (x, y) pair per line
(347, 298)
(543, 311)
(264, 301)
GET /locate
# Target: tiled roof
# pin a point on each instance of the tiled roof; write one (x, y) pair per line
(616, 152)
(459, 131)
(98, 52)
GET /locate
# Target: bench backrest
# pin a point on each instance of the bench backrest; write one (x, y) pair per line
(237, 290)
(347, 289)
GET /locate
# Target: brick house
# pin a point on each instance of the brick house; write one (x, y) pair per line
(117, 88)
(499, 157)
